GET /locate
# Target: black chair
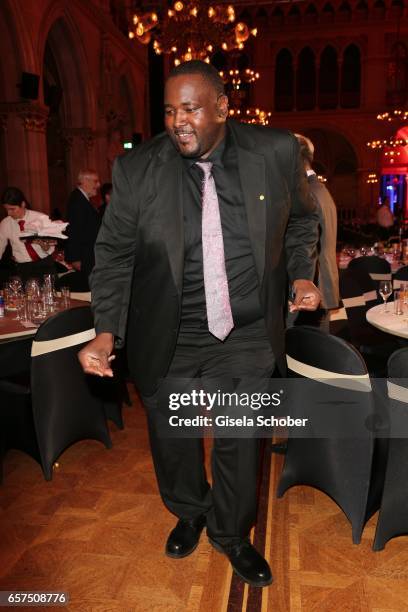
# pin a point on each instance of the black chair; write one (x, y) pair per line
(377, 267)
(358, 294)
(76, 281)
(393, 515)
(400, 276)
(59, 405)
(341, 467)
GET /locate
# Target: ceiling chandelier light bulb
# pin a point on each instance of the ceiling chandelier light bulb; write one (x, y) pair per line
(197, 29)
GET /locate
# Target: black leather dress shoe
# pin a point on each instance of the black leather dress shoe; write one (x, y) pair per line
(184, 537)
(247, 563)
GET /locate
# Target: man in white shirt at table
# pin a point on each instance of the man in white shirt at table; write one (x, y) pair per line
(32, 258)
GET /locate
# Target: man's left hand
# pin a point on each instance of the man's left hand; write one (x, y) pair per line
(307, 296)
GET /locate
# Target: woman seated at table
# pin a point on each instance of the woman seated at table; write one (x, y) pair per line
(32, 258)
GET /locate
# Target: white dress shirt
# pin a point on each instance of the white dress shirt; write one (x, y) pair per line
(10, 231)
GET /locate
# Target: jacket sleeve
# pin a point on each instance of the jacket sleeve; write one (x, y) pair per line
(302, 232)
(114, 258)
(75, 219)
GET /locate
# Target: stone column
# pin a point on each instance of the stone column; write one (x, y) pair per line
(26, 151)
(3, 149)
(79, 147)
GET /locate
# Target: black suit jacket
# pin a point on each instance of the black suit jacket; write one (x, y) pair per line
(137, 280)
(84, 223)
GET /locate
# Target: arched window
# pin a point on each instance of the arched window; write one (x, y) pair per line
(311, 14)
(379, 9)
(344, 11)
(350, 78)
(362, 9)
(278, 16)
(397, 75)
(397, 7)
(328, 13)
(261, 14)
(246, 17)
(328, 79)
(284, 77)
(306, 80)
(294, 14)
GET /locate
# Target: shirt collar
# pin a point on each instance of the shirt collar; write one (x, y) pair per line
(85, 194)
(216, 157)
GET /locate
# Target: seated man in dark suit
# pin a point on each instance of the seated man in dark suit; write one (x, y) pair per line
(84, 221)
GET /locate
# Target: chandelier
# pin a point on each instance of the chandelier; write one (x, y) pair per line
(372, 178)
(236, 78)
(395, 115)
(251, 115)
(191, 30)
(391, 143)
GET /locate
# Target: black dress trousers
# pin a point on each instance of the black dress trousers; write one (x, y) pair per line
(230, 504)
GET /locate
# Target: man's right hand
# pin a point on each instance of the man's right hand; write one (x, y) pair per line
(95, 357)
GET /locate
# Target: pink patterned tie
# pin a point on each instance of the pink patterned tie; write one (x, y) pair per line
(219, 315)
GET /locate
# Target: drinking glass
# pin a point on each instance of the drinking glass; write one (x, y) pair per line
(19, 300)
(34, 297)
(385, 290)
(48, 292)
(398, 302)
(66, 297)
(22, 310)
(15, 283)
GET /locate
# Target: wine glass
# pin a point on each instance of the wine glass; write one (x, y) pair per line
(15, 283)
(385, 290)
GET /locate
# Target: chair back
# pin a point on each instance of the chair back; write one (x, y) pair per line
(336, 464)
(67, 404)
(76, 281)
(377, 267)
(398, 365)
(393, 515)
(400, 276)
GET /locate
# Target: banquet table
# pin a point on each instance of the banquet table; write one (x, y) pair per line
(16, 340)
(10, 329)
(388, 322)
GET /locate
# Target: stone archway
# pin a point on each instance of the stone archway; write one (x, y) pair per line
(10, 75)
(337, 159)
(69, 99)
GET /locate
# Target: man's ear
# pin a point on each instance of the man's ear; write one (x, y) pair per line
(222, 106)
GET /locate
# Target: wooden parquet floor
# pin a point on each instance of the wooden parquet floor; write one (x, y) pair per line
(98, 530)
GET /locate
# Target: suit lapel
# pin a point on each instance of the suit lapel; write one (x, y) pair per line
(252, 176)
(169, 191)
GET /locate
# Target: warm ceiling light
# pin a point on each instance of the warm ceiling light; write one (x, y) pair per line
(199, 28)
